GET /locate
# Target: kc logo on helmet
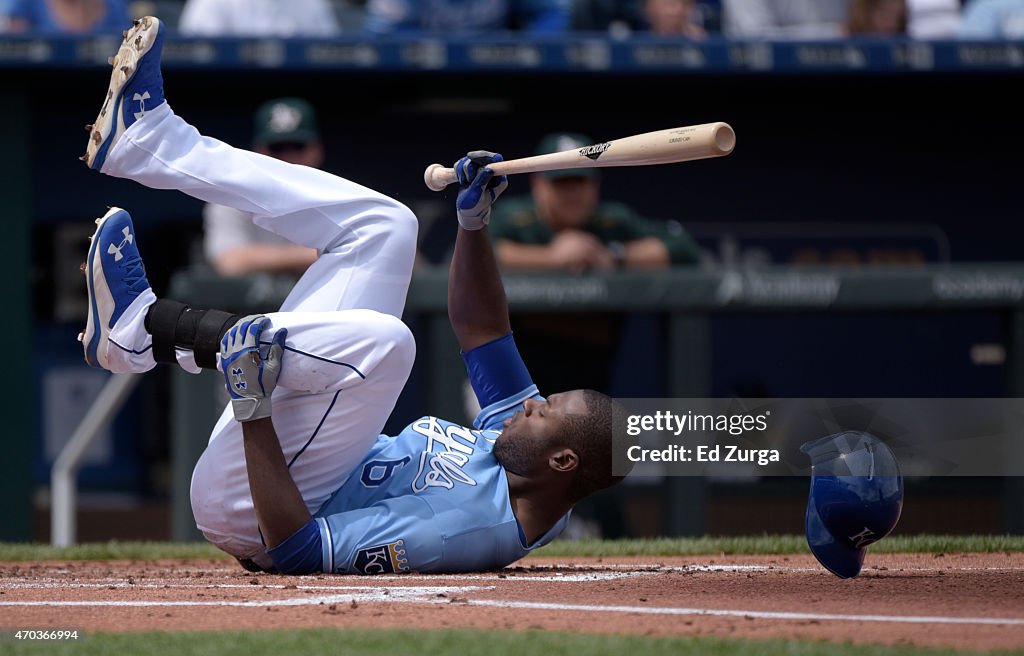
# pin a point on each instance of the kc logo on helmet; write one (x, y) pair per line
(864, 538)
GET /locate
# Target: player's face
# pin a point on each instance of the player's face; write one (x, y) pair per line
(533, 433)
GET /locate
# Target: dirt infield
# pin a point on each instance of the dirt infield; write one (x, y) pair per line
(953, 600)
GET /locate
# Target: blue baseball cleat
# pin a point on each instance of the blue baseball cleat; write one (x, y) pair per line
(136, 87)
(115, 276)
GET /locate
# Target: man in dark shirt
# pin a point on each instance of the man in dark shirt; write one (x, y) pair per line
(564, 224)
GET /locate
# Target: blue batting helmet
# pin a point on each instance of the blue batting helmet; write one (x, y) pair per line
(855, 500)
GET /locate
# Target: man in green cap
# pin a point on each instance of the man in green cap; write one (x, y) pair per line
(565, 225)
(285, 129)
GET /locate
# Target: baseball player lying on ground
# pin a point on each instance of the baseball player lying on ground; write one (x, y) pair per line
(296, 477)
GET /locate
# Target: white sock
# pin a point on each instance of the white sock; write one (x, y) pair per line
(187, 360)
(131, 347)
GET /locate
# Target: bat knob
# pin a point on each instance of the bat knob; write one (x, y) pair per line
(434, 179)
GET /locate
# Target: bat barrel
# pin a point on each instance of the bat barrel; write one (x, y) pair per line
(724, 138)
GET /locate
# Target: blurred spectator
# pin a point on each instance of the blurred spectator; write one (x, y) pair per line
(673, 18)
(67, 16)
(784, 19)
(620, 18)
(993, 19)
(877, 18)
(5, 15)
(273, 18)
(285, 128)
(466, 16)
(565, 225)
(933, 19)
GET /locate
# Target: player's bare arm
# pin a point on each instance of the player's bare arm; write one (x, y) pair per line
(477, 308)
(251, 376)
(279, 507)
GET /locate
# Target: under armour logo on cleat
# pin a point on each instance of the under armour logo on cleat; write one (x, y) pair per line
(141, 98)
(116, 250)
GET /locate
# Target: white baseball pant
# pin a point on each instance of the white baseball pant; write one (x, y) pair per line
(348, 354)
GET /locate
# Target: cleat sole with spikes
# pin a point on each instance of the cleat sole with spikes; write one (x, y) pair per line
(139, 40)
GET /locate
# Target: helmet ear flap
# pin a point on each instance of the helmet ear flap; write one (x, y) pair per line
(855, 499)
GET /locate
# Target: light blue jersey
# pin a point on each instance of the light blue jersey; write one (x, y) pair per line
(432, 498)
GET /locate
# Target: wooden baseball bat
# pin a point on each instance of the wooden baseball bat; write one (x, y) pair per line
(660, 147)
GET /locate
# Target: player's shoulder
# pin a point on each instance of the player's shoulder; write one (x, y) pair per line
(430, 425)
(433, 420)
(493, 416)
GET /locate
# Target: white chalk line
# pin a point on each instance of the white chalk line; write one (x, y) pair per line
(443, 595)
(191, 587)
(368, 594)
(573, 574)
(772, 615)
(606, 572)
(29, 582)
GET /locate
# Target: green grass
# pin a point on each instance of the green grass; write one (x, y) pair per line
(112, 550)
(775, 544)
(447, 643)
(753, 545)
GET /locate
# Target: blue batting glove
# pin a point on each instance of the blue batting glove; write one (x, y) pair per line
(250, 377)
(478, 189)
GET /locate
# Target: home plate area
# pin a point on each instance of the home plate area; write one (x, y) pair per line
(969, 601)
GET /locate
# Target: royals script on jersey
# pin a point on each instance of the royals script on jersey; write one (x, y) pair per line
(433, 498)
